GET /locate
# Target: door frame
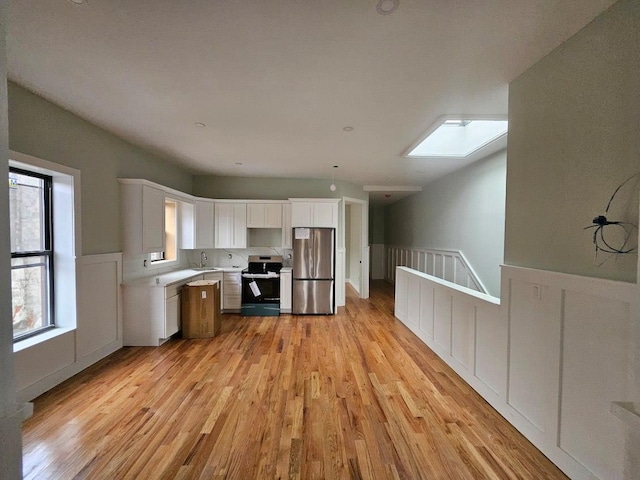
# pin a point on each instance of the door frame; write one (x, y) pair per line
(364, 244)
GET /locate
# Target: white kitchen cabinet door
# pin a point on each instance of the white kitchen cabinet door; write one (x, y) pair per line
(285, 292)
(273, 215)
(230, 225)
(172, 316)
(325, 215)
(142, 213)
(314, 214)
(152, 220)
(255, 215)
(301, 214)
(232, 282)
(239, 236)
(223, 231)
(203, 224)
(287, 241)
(264, 215)
(187, 225)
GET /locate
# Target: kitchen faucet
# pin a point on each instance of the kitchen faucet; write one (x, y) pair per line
(203, 259)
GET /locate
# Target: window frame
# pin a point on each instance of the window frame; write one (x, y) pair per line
(48, 253)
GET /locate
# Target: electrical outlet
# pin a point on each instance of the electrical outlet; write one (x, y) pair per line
(537, 291)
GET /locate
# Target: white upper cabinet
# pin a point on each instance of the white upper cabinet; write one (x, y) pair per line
(286, 226)
(264, 215)
(204, 224)
(187, 225)
(230, 225)
(314, 212)
(152, 219)
(197, 224)
(142, 214)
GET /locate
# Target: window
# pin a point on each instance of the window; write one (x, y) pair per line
(31, 229)
(459, 137)
(170, 230)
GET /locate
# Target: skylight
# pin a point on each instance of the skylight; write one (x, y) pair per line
(459, 137)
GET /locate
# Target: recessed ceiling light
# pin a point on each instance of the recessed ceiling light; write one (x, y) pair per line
(458, 137)
(386, 7)
(348, 129)
(78, 2)
(199, 124)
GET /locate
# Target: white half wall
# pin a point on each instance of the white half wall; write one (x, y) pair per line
(551, 357)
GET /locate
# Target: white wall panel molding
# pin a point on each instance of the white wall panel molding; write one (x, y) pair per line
(450, 265)
(552, 357)
(99, 303)
(340, 286)
(98, 332)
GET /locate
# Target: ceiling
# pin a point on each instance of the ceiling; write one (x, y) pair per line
(276, 81)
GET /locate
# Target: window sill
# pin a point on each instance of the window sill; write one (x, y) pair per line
(41, 338)
(161, 263)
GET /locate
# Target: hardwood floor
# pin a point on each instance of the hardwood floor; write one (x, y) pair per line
(354, 395)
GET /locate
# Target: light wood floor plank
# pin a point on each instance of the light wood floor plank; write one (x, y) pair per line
(350, 396)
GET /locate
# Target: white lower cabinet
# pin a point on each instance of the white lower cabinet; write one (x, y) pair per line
(232, 291)
(171, 315)
(285, 291)
(151, 313)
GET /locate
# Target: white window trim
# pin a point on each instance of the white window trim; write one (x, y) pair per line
(67, 241)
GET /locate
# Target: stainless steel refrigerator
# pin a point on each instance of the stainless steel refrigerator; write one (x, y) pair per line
(314, 266)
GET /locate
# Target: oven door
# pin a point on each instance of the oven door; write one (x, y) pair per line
(260, 290)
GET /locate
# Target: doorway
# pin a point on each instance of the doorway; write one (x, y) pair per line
(356, 244)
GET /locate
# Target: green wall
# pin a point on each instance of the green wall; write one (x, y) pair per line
(376, 224)
(461, 211)
(269, 188)
(40, 128)
(574, 135)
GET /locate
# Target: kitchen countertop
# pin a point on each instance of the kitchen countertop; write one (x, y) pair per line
(169, 278)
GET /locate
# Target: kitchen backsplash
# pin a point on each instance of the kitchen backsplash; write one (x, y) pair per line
(239, 257)
(133, 265)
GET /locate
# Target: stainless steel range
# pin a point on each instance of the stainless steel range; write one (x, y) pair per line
(261, 286)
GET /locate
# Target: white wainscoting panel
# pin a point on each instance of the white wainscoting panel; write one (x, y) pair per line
(491, 348)
(427, 292)
(463, 327)
(413, 304)
(340, 279)
(534, 354)
(99, 303)
(596, 346)
(98, 331)
(551, 360)
(442, 319)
